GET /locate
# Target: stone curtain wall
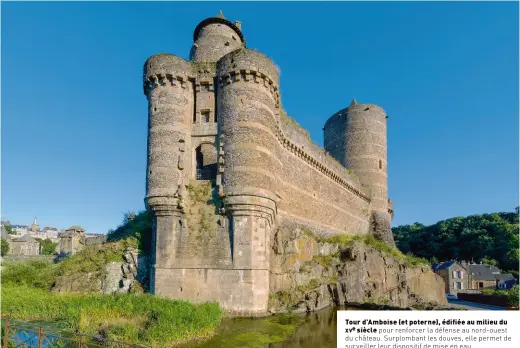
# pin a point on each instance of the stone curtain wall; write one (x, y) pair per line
(316, 187)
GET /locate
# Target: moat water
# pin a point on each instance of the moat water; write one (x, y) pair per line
(317, 329)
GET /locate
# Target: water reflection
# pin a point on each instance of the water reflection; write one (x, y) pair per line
(317, 329)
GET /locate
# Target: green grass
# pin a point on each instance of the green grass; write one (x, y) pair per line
(141, 319)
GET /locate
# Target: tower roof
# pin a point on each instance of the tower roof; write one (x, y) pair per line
(218, 19)
(220, 15)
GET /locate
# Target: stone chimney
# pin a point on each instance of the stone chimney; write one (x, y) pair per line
(238, 24)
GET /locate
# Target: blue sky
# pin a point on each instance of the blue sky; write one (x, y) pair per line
(74, 115)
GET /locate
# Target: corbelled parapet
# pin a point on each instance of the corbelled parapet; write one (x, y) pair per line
(169, 91)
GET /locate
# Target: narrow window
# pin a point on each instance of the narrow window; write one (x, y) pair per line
(380, 164)
(205, 116)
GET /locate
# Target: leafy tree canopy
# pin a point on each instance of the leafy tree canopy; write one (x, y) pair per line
(490, 238)
(47, 246)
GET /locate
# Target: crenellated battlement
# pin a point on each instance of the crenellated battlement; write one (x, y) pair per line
(251, 76)
(166, 80)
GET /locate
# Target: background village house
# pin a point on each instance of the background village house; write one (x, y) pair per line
(25, 245)
(469, 277)
(455, 276)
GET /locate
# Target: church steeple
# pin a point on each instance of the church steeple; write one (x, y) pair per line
(34, 226)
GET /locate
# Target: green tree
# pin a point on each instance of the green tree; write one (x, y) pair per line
(9, 229)
(488, 261)
(4, 246)
(494, 236)
(47, 247)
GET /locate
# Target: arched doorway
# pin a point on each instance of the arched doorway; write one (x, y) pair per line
(206, 162)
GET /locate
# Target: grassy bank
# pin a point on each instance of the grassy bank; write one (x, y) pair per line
(141, 319)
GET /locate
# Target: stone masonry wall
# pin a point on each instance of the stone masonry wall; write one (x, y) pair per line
(316, 188)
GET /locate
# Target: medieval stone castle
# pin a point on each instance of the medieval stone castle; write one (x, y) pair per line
(218, 119)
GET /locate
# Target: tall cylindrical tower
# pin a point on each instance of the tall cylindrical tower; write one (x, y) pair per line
(247, 100)
(170, 108)
(356, 137)
(215, 37)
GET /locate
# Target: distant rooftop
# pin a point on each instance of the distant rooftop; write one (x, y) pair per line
(75, 228)
(26, 238)
(444, 265)
(484, 272)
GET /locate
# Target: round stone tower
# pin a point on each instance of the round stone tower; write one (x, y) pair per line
(356, 137)
(215, 37)
(170, 107)
(169, 90)
(247, 103)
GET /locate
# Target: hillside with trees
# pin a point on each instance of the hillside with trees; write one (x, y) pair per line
(491, 238)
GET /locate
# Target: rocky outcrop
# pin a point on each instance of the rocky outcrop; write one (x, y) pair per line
(114, 277)
(309, 273)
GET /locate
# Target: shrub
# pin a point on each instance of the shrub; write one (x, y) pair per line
(140, 228)
(38, 274)
(4, 246)
(513, 295)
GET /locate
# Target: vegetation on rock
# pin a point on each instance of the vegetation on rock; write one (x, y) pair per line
(93, 258)
(42, 275)
(140, 228)
(484, 237)
(346, 240)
